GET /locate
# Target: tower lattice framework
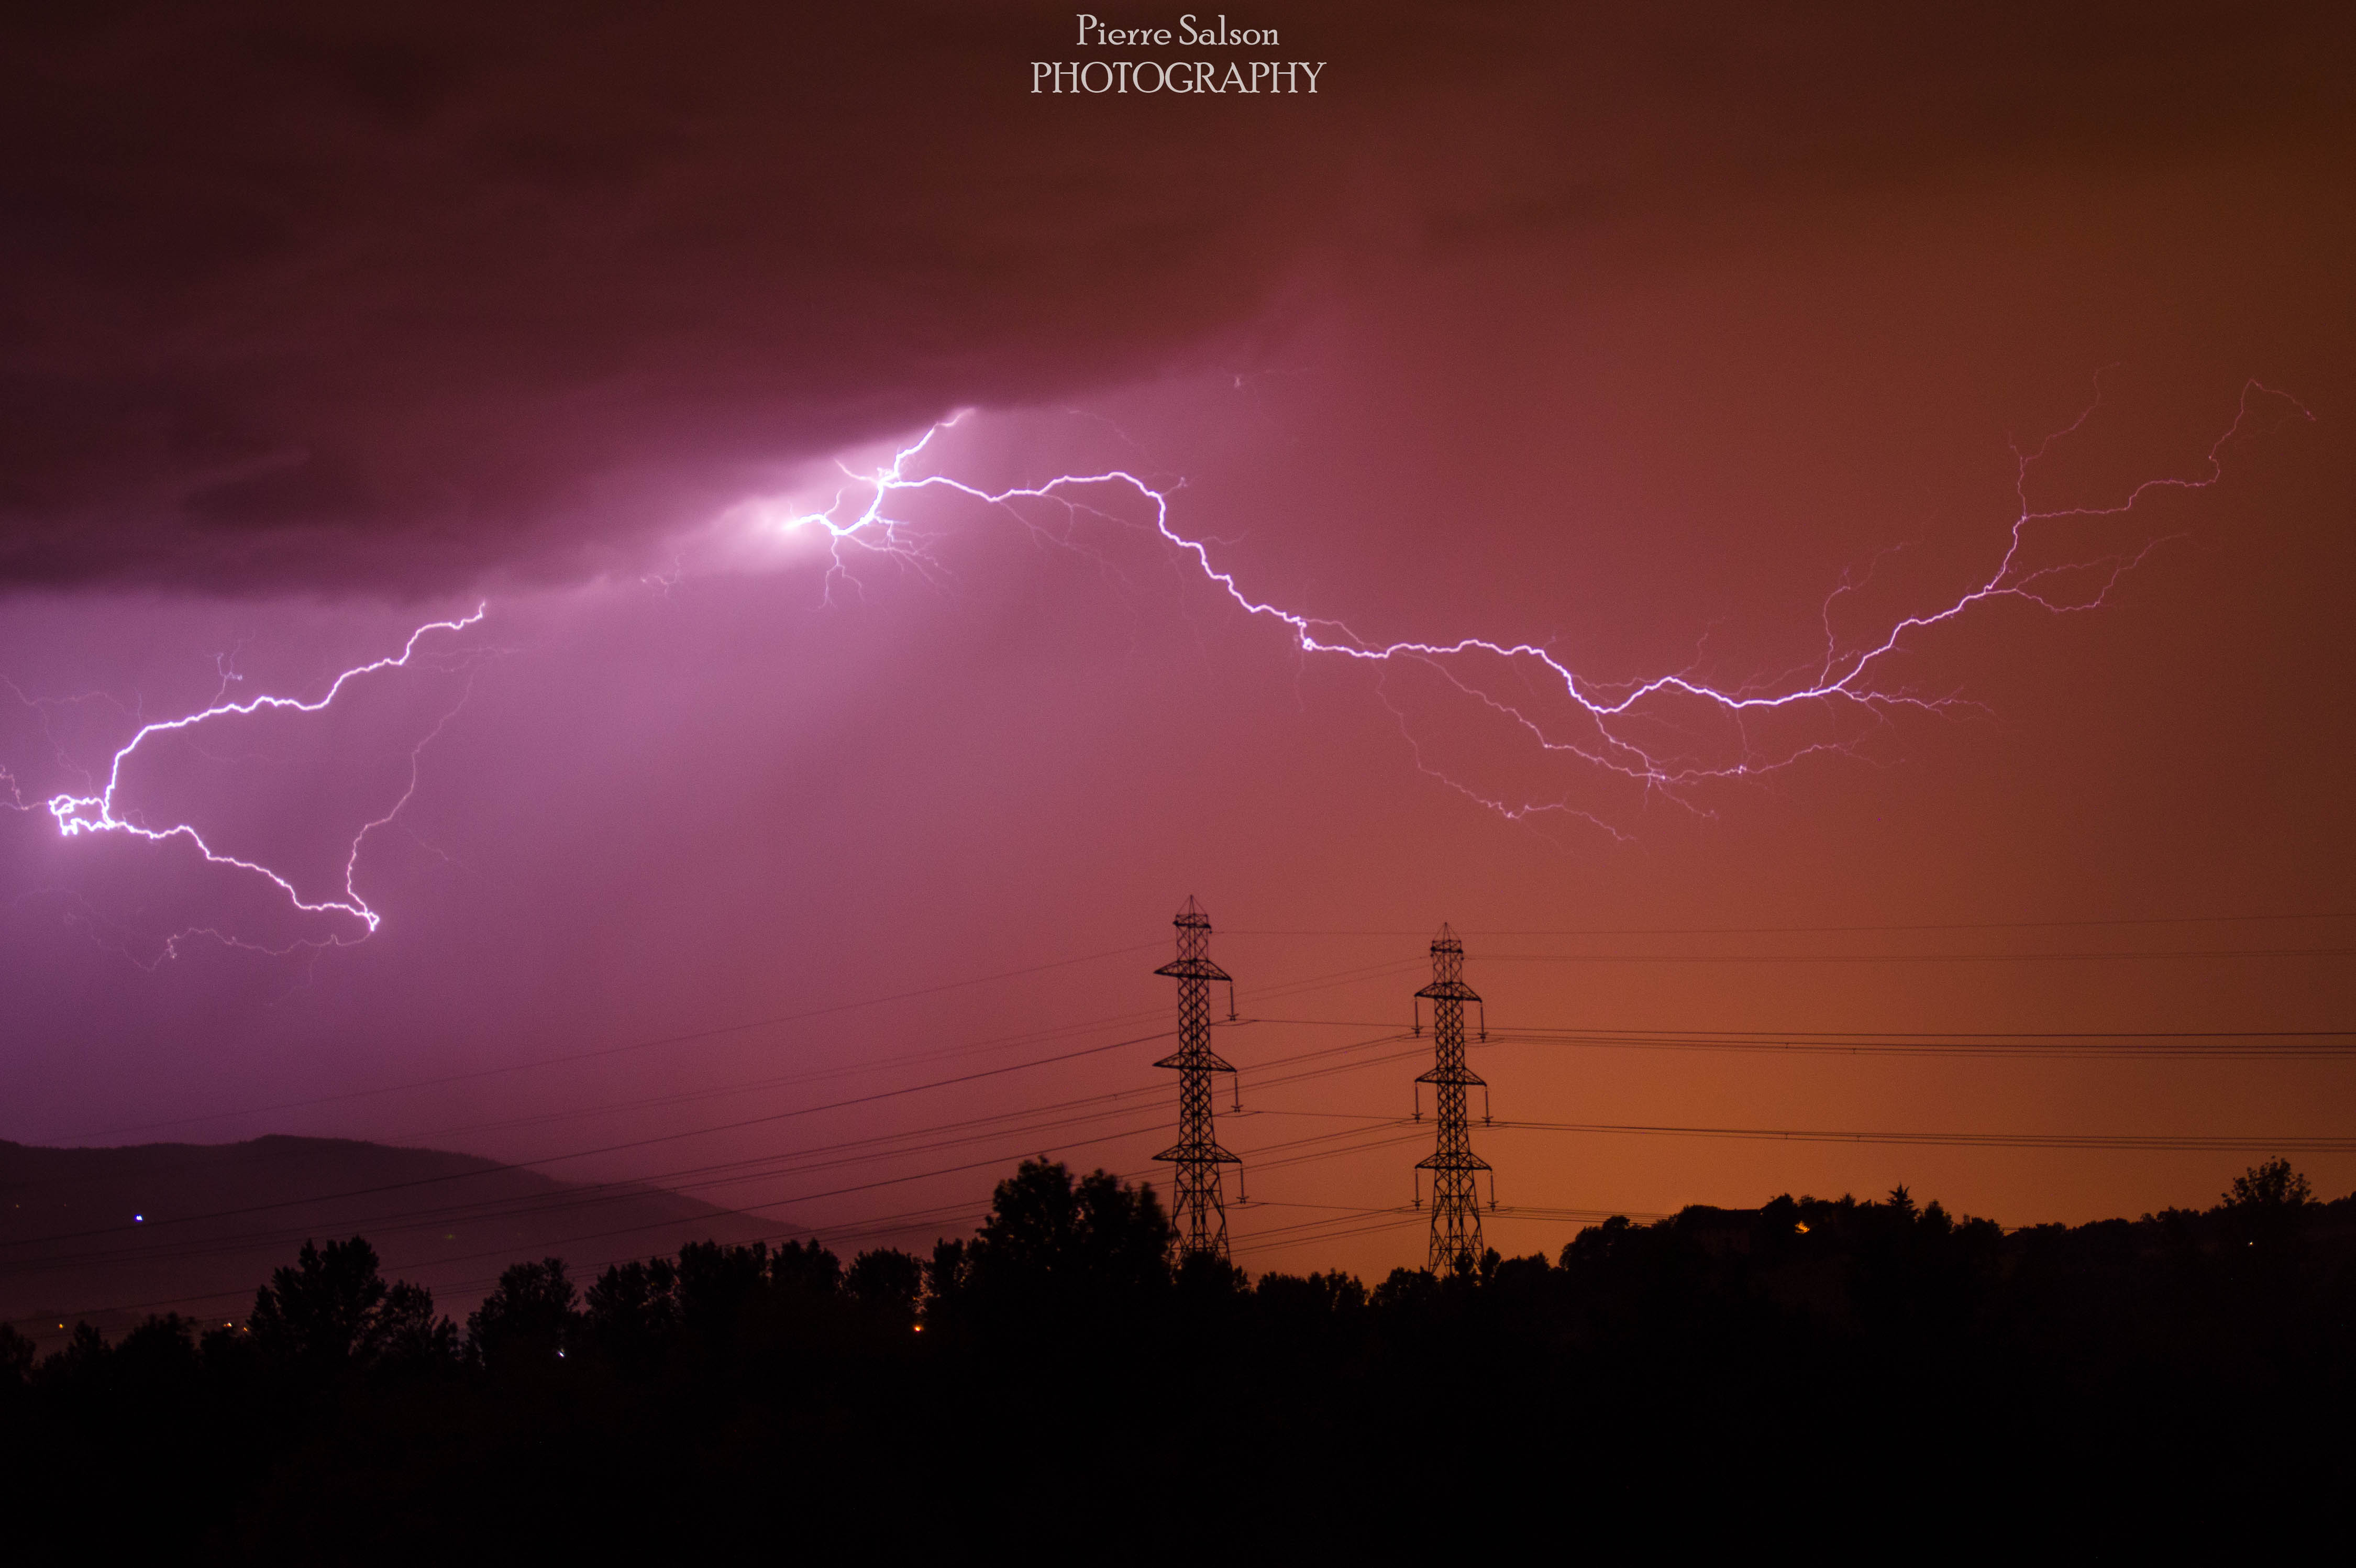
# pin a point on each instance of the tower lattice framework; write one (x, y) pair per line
(1455, 1167)
(1199, 1207)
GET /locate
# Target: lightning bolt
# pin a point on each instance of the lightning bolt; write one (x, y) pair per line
(1610, 726)
(871, 527)
(102, 813)
(1612, 721)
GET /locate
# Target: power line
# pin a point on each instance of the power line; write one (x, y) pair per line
(2223, 1142)
(2186, 1045)
(1321, 981)
(689, 1037)
(739, 1170)
(645, 1142)
(1834, 930)
(1959, 1042)
(1392, 1219)
(795, 1232)
(2090, 956)
(1292, 988)
(2189, 1043)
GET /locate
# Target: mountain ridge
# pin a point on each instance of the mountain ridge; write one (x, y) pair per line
(111, 1233)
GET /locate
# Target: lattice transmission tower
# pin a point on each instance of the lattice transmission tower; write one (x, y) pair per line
(1199, 1208)
(1455, 1167)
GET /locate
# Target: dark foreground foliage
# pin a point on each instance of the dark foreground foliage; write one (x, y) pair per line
(1840, 1378)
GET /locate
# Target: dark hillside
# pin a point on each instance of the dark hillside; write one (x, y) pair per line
(219, 1216)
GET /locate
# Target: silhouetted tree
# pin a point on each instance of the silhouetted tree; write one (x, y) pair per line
(160, 1352)
(720, 1287)
(414, 1335)
(333, 1309)
(1125, 1236)
(1405, 1290)
(946, 1275)
(228, 1354)
(1340, 1292)
(1597, 1243)
(81, 1361)
(15, 1359)
(1034, 1224)
(1292, 1298)
(1519, 1275)
(887, 1281)
(1050, 1241)
(1202, 1276)
(805, 1267)
(2273, 1184)
(632, 1310)
(526, 1320)
(2266, 1206)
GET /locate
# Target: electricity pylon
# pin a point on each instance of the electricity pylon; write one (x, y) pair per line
(1455, 1193)
(1198, 1208)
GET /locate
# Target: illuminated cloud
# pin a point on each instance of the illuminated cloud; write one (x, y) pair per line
(421, 296)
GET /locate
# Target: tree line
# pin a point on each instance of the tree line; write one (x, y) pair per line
(1715, 1342)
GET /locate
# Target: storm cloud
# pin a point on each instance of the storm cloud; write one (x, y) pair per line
(399, 298)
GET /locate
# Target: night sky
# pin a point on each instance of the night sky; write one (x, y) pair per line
(1686, 341)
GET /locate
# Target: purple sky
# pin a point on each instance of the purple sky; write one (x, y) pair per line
(1530, 327)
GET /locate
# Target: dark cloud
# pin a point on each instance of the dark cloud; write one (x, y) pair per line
(398, 296)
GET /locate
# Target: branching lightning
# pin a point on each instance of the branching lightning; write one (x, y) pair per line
(872, 528)
(1613, 725)
(1664, 734)
(103, 811)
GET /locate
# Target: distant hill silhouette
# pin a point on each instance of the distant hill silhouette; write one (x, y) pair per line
(219, 1216)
